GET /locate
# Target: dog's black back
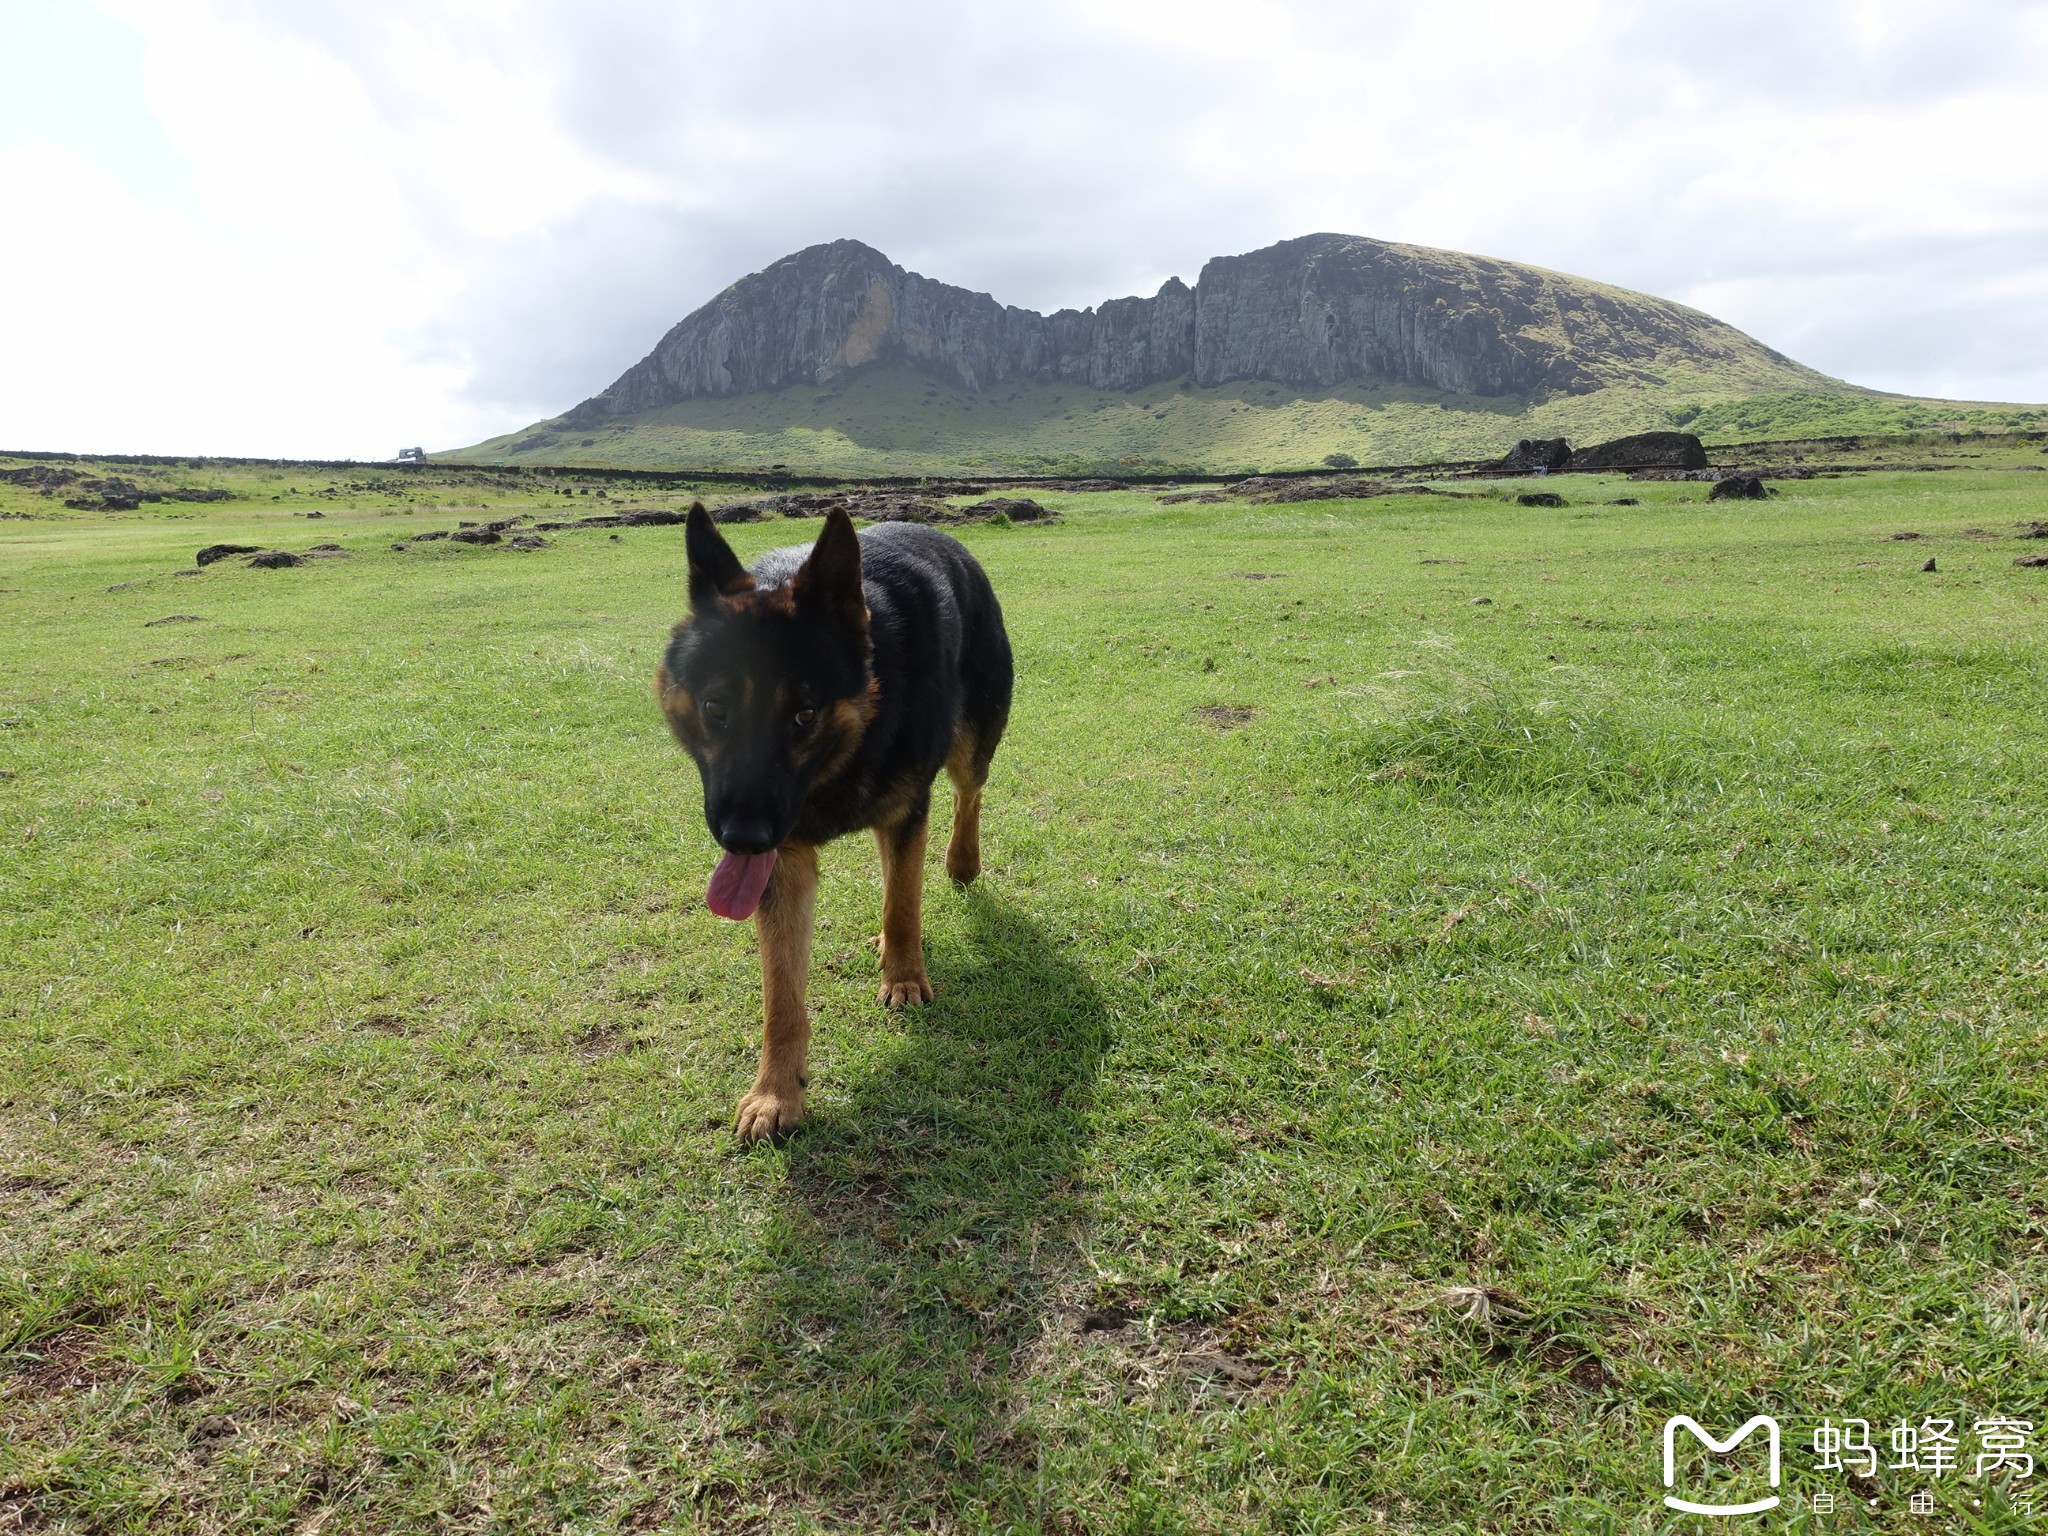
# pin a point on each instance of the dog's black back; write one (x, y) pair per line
(921, 681)
(942, 660)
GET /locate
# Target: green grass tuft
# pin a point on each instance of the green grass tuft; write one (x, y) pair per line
(1460, 727)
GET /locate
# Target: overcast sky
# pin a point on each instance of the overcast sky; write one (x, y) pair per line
(335, 227)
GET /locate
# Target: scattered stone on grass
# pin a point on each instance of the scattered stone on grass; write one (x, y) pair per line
(2036, 561)
(1930, 565)
(477, 536)
(175, 618)
(1018, 509)
(1625, 501)
(1482, 602)
(1738, 488)
(1899, 538)
(275, 560)
(531, 541)
(1227, 717)
(2033, 530)
(1540, 499)
(214, 552)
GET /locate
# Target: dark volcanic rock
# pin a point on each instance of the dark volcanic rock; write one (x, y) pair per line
(214, 552)
(1018, 509)
(1310, 312)
(1539, 499)
(276, 560)
(1536, 453)
(46, 476)
(1738, 488)
(476, 536)
(1646, 450)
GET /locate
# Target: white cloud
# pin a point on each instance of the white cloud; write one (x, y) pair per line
(365, 223)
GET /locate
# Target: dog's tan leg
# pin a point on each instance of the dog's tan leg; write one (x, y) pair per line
(963, 849)
(783, 927)
(903, 978)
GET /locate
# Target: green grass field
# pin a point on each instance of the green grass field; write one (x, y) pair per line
(1454, 984)
(887, 419)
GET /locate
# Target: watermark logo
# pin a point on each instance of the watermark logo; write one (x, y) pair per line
(1680, 1421)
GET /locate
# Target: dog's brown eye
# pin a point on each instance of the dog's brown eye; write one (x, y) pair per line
(804, 717)
(714, 711)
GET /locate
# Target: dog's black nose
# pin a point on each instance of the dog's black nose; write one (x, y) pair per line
(746, 835)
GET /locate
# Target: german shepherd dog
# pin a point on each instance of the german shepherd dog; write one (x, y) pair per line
(818, 693)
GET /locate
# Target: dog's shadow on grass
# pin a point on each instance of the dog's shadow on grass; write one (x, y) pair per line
(932, 1214)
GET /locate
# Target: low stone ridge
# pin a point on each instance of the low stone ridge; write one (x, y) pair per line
(632, 517)
(113, 494)
(1539, 499)
(1269, 490)
(1312, 312)
(1644, 450)
(1738, 488)
(885, 506)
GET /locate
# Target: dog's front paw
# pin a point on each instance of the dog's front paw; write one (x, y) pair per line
(769, 1112)
(911, 989)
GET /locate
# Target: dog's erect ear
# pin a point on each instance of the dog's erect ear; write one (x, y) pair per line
(714, 568)
(830, 578)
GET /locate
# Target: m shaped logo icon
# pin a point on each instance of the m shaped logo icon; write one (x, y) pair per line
(1680, 1421)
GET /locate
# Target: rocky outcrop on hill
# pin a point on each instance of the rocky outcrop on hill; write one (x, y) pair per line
(1312, 312)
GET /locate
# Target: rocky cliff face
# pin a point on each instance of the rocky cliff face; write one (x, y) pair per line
(1312, 312)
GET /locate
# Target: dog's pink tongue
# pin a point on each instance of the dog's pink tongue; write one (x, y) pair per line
(737, 884)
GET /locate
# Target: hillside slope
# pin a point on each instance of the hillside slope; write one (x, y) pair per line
(837, 359)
